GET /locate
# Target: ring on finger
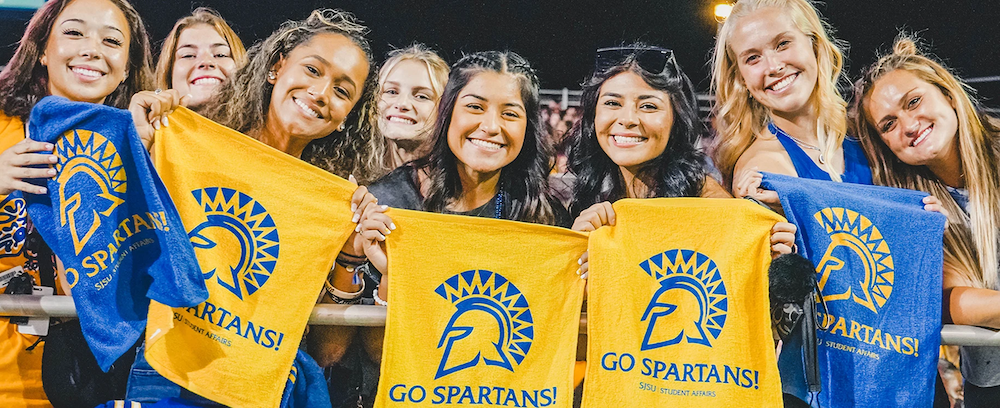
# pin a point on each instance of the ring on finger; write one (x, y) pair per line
(157, 91)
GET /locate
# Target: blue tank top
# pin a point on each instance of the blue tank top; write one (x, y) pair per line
(856, 168)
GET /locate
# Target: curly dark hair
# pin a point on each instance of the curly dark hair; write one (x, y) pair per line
(242, 102)
(677, 172)
(524, 180)
(24, 81)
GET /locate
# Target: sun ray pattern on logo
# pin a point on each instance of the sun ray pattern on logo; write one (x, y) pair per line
(693, 272)
(88, 154)
(856, 232)
(490, 293)
(13, 226)
(251, 225)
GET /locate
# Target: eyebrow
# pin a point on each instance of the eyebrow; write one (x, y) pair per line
(420, 87)
(511, 104)
(324, 61)
(641, 97)
(77, 20)
(770, 42)
(195, 46)
(901, 102)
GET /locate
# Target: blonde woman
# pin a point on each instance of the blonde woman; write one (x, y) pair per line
(778, 110)
(923, 131)
(200, 53)
(410, 84)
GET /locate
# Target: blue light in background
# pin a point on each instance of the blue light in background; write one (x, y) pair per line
(21, 4)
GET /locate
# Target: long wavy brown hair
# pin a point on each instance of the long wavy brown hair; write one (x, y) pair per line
(242, 102)
(971, 240)
(24, 81)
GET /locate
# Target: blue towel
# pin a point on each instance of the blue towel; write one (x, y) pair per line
(108, 217)
(878, 258)
(306, 386)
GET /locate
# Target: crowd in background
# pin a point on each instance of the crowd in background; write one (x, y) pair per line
(474, 138)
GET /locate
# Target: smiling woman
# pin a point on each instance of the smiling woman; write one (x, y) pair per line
(488, 158)
(410, 84)
(305, 91)
(923, 131)
(86, 51)
(775, 73)
(200, 53)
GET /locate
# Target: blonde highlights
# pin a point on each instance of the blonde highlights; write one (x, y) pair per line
(971, 240)
(739, 118)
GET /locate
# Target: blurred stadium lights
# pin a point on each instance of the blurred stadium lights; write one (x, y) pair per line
(722, 11)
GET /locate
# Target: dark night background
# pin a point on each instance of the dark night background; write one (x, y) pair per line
(559, 37)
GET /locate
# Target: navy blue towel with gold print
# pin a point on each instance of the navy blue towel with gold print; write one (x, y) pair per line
(108, 217)
(878, 258)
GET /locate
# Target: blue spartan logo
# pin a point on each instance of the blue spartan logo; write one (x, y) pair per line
(483, 295)
(681, 271)
(231, 213)
(13, 226)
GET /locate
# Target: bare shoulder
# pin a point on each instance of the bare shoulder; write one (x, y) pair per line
(766, 154)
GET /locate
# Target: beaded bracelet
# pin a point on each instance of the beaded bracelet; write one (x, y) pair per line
(379, 300)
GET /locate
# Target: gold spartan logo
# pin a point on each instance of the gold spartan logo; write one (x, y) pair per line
(855, 232)
(89, 156)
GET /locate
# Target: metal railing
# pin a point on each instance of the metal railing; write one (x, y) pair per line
(362, 315)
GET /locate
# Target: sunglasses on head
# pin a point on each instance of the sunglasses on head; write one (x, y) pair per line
(655, 60)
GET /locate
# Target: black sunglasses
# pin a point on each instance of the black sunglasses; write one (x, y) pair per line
(651, 59)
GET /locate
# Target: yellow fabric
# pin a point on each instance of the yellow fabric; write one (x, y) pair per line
(458, 284)
(682, 354)
(20, 370)
(237, 351)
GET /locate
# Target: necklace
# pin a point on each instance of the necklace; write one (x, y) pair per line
(776, 131)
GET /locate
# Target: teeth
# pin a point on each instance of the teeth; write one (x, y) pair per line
(782, 83)
(628, 139)
(207, 81)
(87, 72)
(305, 108)
(486, 144)
(398, 119)
(922, 136)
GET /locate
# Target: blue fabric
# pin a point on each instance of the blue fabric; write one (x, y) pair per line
(878, 257)
(145, 385)
(306, 386)
(856, 168)
(108, 217)
(166, 403)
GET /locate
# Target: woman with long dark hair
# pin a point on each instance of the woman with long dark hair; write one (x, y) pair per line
(636, 139)
(489, 158)
(304, 91)
(84, 50)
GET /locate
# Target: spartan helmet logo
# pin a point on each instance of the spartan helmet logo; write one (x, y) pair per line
(856, 243)
(13, 226)
(87, 160)
(492, 324)
(690, 303)
(237, 225)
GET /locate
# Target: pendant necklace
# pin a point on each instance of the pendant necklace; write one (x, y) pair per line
(776, 131)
